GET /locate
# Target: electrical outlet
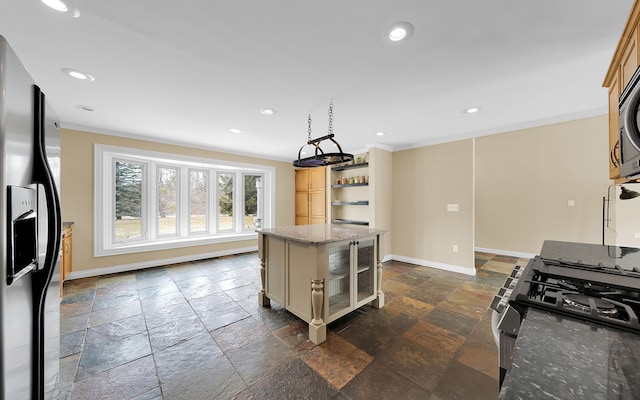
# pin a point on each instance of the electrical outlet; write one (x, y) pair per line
(571, 203)
(453, 207)
(455, 248)
(636, 235)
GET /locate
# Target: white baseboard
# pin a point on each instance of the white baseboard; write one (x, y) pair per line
(434, 264)
(505, 252)
(156, 263)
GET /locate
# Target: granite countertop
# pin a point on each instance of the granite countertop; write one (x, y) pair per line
(320, 233)
(558, 357)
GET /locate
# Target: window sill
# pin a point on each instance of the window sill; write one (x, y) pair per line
(174, 243)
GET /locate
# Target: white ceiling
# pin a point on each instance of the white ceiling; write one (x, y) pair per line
(186, 72)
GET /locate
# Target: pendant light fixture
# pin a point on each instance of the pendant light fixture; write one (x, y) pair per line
(320, 158)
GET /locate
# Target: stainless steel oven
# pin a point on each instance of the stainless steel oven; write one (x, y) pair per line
(628, 127)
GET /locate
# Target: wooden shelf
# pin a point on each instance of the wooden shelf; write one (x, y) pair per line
(351, 203)
(352, 166)
(336, 277)
(349, 184)
(347, 221)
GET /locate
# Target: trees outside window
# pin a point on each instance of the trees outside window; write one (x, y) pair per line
(128, 200)
(167, 191)
(225, 202)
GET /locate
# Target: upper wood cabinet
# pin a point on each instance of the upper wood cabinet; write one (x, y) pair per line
(623, 65)
(311, 196)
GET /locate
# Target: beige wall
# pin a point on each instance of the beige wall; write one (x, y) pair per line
(425, 180)
(512, 190)
(525, 178)
(381, 180)
(76, 192)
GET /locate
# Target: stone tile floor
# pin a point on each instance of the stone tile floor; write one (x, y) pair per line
(195, 331)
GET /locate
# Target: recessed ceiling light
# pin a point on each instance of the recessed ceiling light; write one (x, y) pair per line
(84, 108)
(399, 31)
(234, 130)
(74, 73)
(65, 6)
(267, 111)
(380, 134)
(471, 110)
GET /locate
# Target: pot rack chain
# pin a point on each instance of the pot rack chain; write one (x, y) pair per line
(331, 117)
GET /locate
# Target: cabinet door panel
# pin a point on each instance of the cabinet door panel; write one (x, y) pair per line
(275, 279)
(299, 273)
(339, 286)
(302, 204)
(365, 271)
(317, 178)
(302, 179)
(318, 207)
(614, 137)
(630, 59)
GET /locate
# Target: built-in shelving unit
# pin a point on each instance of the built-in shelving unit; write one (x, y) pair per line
(349, 197)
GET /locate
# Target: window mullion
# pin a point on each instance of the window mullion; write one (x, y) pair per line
(184, 202)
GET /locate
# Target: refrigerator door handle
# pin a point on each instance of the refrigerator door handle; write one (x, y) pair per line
(41, 278)
(42, 175)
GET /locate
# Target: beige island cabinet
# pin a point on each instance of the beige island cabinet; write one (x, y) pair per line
(320, 272)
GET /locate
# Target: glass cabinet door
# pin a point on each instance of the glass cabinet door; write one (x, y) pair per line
(339, 278)
(365, 278)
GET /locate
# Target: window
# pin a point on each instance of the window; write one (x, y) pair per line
(167, 201)
(198, 188)
(129, 221)
(225, 202)
(147, 200)
(252, 187)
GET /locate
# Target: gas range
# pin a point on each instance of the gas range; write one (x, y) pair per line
(560, 289)
(600, 284)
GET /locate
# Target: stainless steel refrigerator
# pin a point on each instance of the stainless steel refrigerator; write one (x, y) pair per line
(29, 235)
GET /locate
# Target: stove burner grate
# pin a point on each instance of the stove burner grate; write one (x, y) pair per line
(586, 303)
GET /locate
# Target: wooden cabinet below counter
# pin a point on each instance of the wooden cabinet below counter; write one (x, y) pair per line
(65, 260)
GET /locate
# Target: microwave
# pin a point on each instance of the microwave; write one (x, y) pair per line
(628, 127)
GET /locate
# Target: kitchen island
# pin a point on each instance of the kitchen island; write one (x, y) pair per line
(320, 272)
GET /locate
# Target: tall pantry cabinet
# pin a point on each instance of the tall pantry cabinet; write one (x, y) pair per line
(311, 196)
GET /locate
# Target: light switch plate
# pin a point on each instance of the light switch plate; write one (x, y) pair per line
(453, 207)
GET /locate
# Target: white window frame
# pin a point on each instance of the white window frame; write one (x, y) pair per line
(104, 200)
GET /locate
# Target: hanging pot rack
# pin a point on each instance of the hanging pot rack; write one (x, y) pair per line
(320, 158)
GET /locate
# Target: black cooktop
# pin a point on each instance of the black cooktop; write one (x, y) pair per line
(611, 259)
(587, 281)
